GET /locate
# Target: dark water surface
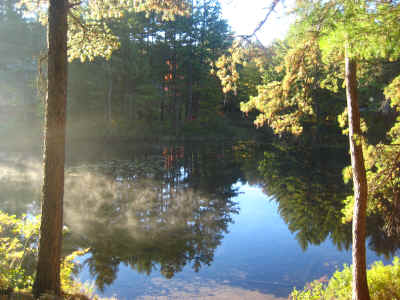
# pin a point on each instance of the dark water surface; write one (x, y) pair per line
(198, 220)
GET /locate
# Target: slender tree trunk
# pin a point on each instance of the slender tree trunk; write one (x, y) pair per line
(48, 267)
(360, 286)
(163, 95)
(109, 97)
(190, 71)
(175, 92)
(131, 106)
(189, 111)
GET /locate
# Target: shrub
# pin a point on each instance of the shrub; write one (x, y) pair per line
(18, 249)
(19, 238)
(383, 282)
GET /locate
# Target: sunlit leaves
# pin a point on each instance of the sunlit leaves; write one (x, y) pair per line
(383, 282)
(367, 26)
(89, 40)
(283, 104)
(168, 9)
(68, 269)
(392, 92)
(226, 67)
(18, 240)
(106, 9)
(88, 34)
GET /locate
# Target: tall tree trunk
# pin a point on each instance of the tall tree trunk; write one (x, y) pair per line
(175, 92)
(131, 106)
(360, 286)
(109, 97)
(189, 105)
(163, 95)
(48, 267)
(189, 111)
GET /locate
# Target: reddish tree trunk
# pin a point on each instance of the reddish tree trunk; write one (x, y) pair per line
(48, 269)
(360, 286)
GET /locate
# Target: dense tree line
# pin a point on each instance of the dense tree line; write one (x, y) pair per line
(156, 83)
(158, 78)
(146, 69)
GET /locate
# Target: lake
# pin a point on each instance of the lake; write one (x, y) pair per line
(217, 220)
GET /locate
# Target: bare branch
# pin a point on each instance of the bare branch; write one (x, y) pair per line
(262, 23)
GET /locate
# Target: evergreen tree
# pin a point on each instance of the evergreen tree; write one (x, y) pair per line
(353, 32)
(96, 34)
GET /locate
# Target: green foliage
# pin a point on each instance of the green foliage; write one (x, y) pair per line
(392, 92)
(69, 268)
(134, 93)
(312, 76)
(226, 66)
(19, 239)
(314, 291)
(297, 92)
(88, 35)
(314, 59)
(383, 170)
(367, 26)
(383, 282)
(157, 83)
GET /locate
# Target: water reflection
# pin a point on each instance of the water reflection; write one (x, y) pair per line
(20, 177)
(207, 290)
(308, 186)
(169, 211)
(158, 213)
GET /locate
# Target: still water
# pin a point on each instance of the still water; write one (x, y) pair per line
(198, 220)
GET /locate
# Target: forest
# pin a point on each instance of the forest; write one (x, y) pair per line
(156, 83)
(312, 119)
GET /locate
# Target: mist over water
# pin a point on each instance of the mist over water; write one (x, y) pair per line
(181, 221)
(20, 183)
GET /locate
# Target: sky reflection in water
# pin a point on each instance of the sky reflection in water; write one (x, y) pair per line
(258, 259)
(156, 217)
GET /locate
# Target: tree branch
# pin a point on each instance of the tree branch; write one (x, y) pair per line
(261, 24)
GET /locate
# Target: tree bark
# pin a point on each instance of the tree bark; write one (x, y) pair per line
(360, 286)
(48, 268)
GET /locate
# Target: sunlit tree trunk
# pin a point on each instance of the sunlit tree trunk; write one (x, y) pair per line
(360, 286)
(48, 267)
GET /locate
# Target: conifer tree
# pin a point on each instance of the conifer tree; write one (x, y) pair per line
(88, 37)
(350, 33)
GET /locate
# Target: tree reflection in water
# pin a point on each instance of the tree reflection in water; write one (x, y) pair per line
(306, 182)
(160, 213)
(162, 208)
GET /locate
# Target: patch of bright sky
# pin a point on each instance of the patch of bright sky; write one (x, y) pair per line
(244, 16)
